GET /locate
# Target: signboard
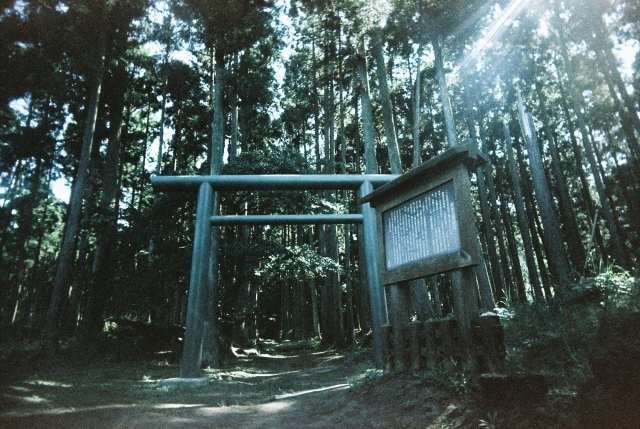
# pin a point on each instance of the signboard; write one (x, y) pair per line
(425, 218)
(426, 226)
(422, 227)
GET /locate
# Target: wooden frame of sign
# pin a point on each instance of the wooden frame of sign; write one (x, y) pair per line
(425, 218)
(426, 226)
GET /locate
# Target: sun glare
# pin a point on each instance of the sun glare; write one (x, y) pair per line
(494, 31)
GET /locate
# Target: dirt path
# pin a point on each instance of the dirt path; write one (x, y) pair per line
(306, 389)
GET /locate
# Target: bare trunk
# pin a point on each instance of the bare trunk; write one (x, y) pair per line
(387, 108)
(601, 40)
(523, 220)
(587, 200)
(417, 147)
(370, 159)
(627, 119)
(620, 253)
(444, 92)
(518, 292)
(211, 349)
(495, 216)
(486, 226)
(567, 213)
(557, 254)
(68, 245)
(100, 287)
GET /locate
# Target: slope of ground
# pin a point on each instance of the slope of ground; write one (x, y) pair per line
(316, 389)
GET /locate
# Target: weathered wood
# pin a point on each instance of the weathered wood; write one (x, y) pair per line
(254, 182)
(430, 346)
(464, 154)
(434, 265)
(403, 190)
(489, 342)
(442, 338)
(399, 299)
(192, 353)
(465, 293)
(470, 242)
(416, 340)
(369, 244)
(436, 192)
(286, 219)
(387, 359)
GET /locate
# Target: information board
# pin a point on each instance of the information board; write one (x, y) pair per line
(421, 227)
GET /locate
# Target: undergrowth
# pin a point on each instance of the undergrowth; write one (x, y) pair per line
(556, 339)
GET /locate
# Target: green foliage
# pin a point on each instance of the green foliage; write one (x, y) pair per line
(556, 340)
(620, 289)
(450, 375)
(297, 263)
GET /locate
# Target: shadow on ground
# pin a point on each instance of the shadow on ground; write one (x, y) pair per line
(289, 390)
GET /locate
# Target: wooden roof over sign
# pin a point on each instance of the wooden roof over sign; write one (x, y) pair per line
(466, 154)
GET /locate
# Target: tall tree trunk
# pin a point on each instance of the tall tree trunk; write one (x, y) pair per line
(521, 213)
(556, 252)
(101, 284)
(567, 213)
(39, 302)
(370, 159)
(163, 108)
(534, 223)
(233, 143)
(68, 245)
(601, 39)
(444, 93)
(316, 109)
(518, 291)
(620, 253)
(486, 226)
(74, 311)
(486, 296)
(387, 107)
(417, 92)
(349, 324)
(495, 216)
(22, 240)
(211, 349)
(332, 293)
(626, 117)
(139, 168)
(587, 200)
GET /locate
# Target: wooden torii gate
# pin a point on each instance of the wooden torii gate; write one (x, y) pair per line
(207, 185)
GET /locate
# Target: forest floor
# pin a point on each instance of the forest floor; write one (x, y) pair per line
(589, 358)
(290, 389)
